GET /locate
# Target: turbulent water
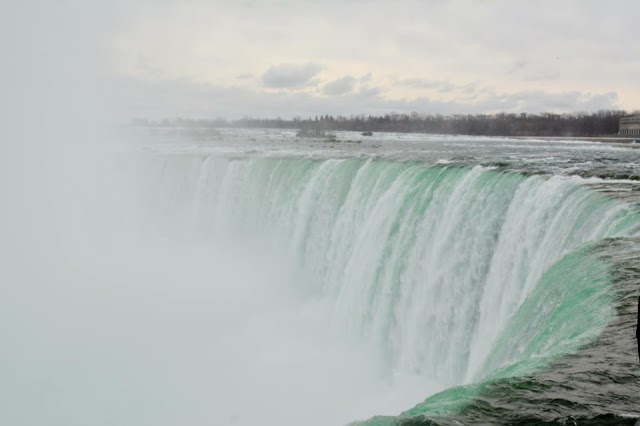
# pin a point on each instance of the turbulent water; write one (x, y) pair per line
(431, 280)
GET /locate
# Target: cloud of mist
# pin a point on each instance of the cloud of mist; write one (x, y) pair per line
(110, 314)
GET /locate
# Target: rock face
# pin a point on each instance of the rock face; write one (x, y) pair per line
(638, 329)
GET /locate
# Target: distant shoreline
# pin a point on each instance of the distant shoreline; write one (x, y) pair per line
(601, 126)
(191, 130)
(603, 139)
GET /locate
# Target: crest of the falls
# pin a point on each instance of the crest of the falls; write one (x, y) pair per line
(424, 264)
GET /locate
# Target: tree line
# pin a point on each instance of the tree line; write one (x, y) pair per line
(601, 123)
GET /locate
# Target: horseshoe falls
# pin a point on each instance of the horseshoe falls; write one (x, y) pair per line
(418, 286)
(263, 279)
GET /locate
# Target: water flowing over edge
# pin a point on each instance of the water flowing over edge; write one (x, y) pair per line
(455, 275)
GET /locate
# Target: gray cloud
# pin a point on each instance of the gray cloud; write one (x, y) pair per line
(541, 101)
(290, 76)
(340, 86)
(470, 88)
(366, 78)
(438, 85)
(532, 72)
(419, 83)
(541, 76)
(517, 66)
(369, 91)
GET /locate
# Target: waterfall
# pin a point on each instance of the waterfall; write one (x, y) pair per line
(448, 274)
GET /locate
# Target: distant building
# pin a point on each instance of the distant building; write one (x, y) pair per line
(630, 126)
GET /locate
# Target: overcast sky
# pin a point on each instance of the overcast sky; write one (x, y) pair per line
(268, 58)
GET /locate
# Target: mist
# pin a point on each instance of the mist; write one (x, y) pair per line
(112, 313)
